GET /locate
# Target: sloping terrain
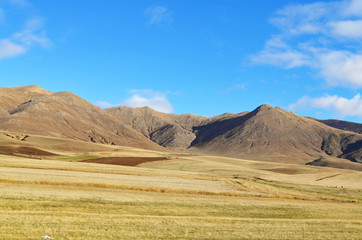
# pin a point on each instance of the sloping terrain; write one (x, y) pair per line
(272, 134)
(11, 97)
(343, 125)
(66, 115)
(67, 189)
(56, 191)
(168, 130)
(267, 133)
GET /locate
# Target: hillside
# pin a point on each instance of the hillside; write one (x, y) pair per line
(273, 134)
(343, 125)
(11, 97)
(49, 188)
(66, 115)
(267, 133)
(169, 130)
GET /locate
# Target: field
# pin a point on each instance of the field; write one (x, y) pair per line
(67, 195)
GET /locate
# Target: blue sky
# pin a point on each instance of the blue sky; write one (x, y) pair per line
(199, 57)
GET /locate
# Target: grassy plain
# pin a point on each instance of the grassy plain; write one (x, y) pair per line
(186, 197)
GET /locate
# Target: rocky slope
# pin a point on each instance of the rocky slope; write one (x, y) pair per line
(168, 130)
(273, 134)
(343, 125)
(11, 97)
(267, 133)
(66, 115)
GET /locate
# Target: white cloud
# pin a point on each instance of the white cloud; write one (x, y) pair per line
(353, 8)
(347, 29)
(342, 106)
(20, 42)
(142, 98)
(325, 36)
(104, 105)
(287, 58)
(149, 98)
(276, 42)
(33, 33)
(159, 15)
(278, 53)
(342, 68)
(9, 49)
(301, 18)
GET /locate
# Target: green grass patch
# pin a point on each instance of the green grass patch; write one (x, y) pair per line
(78, 158)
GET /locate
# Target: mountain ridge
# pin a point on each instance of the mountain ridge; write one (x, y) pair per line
(267, 133)
(64, 114)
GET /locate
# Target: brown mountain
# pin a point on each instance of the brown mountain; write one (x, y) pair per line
(267, 133)
(343, 125)
(11, 97)
(34, 110)
(168, 130)
(273, 134)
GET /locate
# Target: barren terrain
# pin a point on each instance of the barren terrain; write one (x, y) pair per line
(71, 170)
(168, 195)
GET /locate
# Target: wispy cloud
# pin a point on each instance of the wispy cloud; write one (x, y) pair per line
(326, 36)
(142, 98)
(235, 87)
(343, 107)
(104, 105)
(159, 15)
(9, 49)
(278, 53)
(22, 41)
(350, 29)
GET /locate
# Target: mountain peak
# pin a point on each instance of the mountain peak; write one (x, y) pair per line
(264, 107)
(33, 86)
(33, 89)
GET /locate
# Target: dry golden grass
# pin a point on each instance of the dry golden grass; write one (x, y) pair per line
(112, 214)
(188, 197)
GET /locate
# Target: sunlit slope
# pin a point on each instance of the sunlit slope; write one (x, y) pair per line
(273, 134)
(16, 147)
(66, 115)
(267, 134)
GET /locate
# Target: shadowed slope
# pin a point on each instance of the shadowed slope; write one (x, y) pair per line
(343, 125)
(168, 130)
(267, 133)
(273, 134)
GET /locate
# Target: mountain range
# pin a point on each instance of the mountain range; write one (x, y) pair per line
(266, 133)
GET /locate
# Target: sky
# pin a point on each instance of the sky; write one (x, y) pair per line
(191, 56)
